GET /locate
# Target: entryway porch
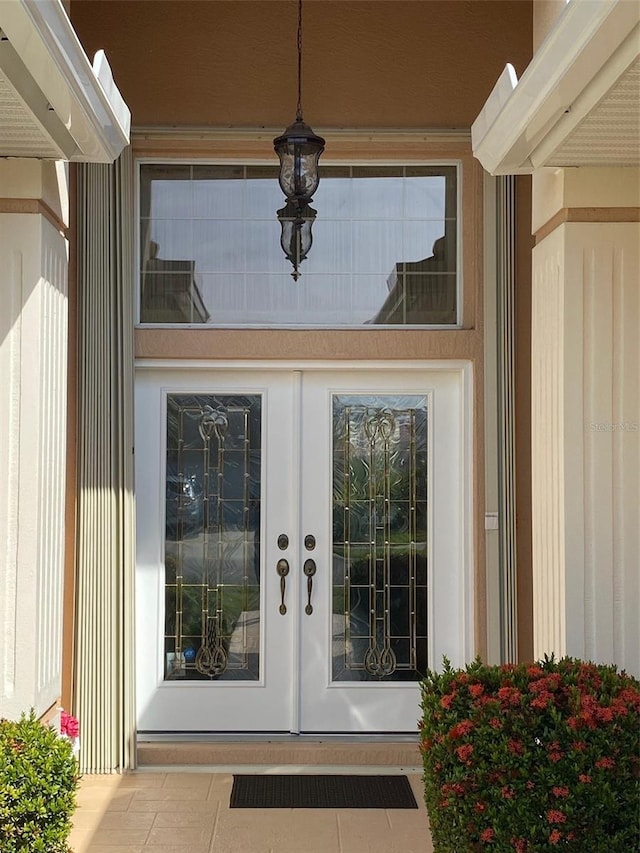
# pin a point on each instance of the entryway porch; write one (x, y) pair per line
(172, 808)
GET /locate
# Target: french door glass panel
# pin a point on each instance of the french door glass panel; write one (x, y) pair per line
(212, 537)
(379, 538)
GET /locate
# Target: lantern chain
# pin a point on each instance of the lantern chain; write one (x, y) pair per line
(299, 110)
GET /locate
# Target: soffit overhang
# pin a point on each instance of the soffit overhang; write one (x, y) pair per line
(54, 104)
(578, 101)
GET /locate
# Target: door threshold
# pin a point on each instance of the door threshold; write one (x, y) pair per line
(399, 750)
(287, 769)
(276, 737)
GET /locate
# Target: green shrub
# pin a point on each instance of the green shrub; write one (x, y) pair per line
(532, 758)
(38, 780)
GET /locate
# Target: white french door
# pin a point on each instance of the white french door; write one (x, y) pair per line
(301, 546)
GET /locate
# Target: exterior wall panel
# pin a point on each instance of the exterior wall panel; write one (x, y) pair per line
(10, 369)
(586, 455)
(33, 424)
(53, 373)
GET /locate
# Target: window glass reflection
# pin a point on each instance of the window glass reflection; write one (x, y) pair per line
(384, 247)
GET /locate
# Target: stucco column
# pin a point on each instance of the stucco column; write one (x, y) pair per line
(586, 414)
(33, 399)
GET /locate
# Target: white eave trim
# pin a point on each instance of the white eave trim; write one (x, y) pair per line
(523, 122)
(85, 98)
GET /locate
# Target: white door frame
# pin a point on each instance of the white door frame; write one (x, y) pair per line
(465, 627)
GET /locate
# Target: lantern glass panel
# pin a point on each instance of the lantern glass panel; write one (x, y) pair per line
(296, 238)
(299, 169)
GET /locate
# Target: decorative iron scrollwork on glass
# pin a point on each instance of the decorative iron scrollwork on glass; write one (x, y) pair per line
(212, 540)
(211, 657)
(380, 663)
(379, 423)
(379, 537)
(213, 421)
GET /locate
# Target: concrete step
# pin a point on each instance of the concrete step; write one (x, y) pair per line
(279, 752)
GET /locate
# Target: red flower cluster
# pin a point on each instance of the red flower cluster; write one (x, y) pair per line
(509, 697)
(556, 816)
(515, 746)
(464, 753)
(555, 754)
(461, 729)
(548, 684)
(448, 700)
(453, 788)
(591, 714)
(69, 726)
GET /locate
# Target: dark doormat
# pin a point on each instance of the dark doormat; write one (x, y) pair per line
(321, 792)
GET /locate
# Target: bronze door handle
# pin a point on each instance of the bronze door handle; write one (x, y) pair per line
(309, 569)
(282, 568)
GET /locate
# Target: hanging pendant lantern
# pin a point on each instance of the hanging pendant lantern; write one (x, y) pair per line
(296, 238)
(299, 150)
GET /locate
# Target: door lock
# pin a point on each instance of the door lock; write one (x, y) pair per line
(283, 541)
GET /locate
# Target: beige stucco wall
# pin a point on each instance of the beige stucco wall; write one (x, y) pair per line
(602, 190)
(367, 63)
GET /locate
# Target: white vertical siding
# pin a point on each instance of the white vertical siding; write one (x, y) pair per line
(586, 453)
(103, 675)
(51, 487)
(33, 359)
(10, 348)
(506, 359)
(546, 448)
(611, 461)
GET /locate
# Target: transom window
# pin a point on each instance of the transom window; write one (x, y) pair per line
(384, 251)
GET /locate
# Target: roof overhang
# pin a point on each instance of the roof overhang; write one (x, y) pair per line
(53, 103)
(577, 103)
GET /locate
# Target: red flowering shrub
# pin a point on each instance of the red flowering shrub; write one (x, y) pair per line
(38, 781)
(532, 758)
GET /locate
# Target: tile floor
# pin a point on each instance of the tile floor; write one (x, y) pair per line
(188, 812)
